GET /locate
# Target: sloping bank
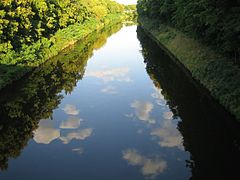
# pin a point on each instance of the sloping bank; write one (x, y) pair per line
(216, 73)
(37, 53)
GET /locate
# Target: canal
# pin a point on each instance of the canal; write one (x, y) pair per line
(114, 107)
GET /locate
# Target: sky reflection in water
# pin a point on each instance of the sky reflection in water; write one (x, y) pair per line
(115, 124)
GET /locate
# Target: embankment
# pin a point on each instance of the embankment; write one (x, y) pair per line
(215, 72)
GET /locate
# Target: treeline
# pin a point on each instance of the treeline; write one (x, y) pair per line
(215, 22)
(23, 22)
(32, 31)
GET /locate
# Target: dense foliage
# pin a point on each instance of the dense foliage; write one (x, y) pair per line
(25, 21)
(215, 22)
(32, 31)
(130, 12)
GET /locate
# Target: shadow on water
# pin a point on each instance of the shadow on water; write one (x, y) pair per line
(209, 133)
(27, 101)
(11, 73)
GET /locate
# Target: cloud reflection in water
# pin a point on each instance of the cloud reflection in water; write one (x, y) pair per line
(168, 134)
(78, 135)
(71, 110)
(71, 123)
(143, 110)
(109, 90)
(157, 95)
(113, 74)
(150, 167)
(46, 132)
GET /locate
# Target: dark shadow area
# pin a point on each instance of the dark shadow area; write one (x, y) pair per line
(24, 103)
(11, 73)
(210, 134)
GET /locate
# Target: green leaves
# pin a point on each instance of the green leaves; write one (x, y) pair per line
(27, 21)
(216, 23)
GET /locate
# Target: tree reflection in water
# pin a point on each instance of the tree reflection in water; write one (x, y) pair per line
(210, 134)
(34, 98)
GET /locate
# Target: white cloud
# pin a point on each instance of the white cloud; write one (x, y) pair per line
(78, 135)
(157, 94)
(108, 75)
(168, 115)
(168, 134)
(150, 167)
(71, 110)
(72, 123)
(109, 90)
(143, 110)
(46, 132)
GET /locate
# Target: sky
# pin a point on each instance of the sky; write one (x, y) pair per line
(127, 1)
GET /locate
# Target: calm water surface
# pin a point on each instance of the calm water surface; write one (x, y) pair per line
(115, 108)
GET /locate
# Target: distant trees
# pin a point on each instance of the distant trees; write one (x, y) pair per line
(215, 22)
(130, 12)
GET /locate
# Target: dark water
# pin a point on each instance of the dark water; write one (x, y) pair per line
(110, 109)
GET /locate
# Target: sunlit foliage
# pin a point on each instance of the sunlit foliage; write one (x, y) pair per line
(32, 31)
(26, 21)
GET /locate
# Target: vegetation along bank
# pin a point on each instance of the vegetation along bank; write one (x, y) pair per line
(33, 31)
(206, 41)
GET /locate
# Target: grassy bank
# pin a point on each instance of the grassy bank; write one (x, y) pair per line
(213, 71)
(15, 64)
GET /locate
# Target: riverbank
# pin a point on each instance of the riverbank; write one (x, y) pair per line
(213, 71)
(16, 65)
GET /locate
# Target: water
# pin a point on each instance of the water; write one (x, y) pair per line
(115, 108)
